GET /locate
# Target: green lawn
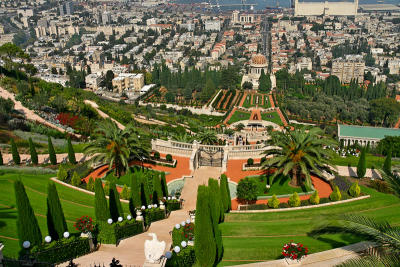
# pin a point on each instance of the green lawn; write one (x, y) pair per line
(260, 236)
(246, 103)
(266, 104)
(272, 117)
(371, 160)
(280, 186)
(239, 116)
(74, 203)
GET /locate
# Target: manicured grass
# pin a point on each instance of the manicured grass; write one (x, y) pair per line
(239, 116)
(272, 117)
(371, 160)
(246, 103)
(255, 237)
(74, 203)
(280, 186)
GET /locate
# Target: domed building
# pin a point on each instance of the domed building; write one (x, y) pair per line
(257, 64)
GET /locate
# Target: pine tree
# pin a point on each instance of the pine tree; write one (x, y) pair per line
(387, 165)
(205, 247)
(14, 152)
(215, 210)
(164, 185)
(32, 149)
(27, 224)
(100, 202)
(71, 152)
(1, 159)
(114, 203)
(56, 223)
(52, 153)
(361, 167)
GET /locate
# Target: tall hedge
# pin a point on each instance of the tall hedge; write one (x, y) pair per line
(134, 200)
(56, 223)
(52, 152)
(387, 165)
(164, 186)
(215, 188)
(143, 197)
(27, 224)
(362, 165)
(157, 190)
(215, 210)
(224, 192)
(115, 203)
(71, 152)
(205, 247)
(1, 159)
(14, 152)
(100, 202)
(32, 150)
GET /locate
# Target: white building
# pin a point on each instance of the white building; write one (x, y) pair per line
(213, 25)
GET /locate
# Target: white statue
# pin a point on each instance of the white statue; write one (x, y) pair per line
(153, 249)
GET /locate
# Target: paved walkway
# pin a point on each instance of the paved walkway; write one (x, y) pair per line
(102, 114)
(271, 101)
(131, 250)
(243, 99)
(229, 116)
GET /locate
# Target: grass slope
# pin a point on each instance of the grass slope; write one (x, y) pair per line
(239, 116)
(272, 117)
(260, 236)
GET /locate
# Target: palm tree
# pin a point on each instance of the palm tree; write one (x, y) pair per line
(383, 234)
(240, 127)
(137, 143)
(298, 152)
(111, 147)
(207, 138)
(184, 138)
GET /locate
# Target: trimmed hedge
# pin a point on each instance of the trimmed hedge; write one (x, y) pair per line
(153, 215)
(113, 233)
(173, 205)
(186, 257)
(61, 250)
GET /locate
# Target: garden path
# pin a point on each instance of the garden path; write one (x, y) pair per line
(242, 100)
(229, 116)
(29, 114)
(102, 114)
(130, 251)
(271, 100)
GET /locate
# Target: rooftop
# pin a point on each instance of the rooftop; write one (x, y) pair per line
(366, 131)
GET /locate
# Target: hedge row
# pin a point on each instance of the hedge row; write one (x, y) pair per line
(186, 257)
(113, 233)
(215, 103)
(173, 205)
(61, 250)
(231, 99)
(153, 215)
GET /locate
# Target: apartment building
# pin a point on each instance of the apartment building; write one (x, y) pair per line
(128, 81)
(348, 69)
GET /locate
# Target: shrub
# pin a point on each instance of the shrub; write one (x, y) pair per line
(184, 233)
(75, 180)
(263, 159)
(107, 188)
(153, 215)
(250, 161)
(1, 159)
(56, 223)
(354, 189)
(164, 186)
(225, 196)
(14, 152)
(52, 152)
(387, 165)
(247, 189)
(62, 174)
(168, 157)
(134, 200)
(380, 186)
(27, 224)
(273, 202)
(314, 198)
(324, 200)
(283, 205)
(32, 150)
(205, 247)
(90, 184)
(112, 233)
(114, 203)
(186, 257)
(71, 152)
(294, 200)
(125, 193)
(335, 195)
(361, 167)
(157, 155)
(100, 202)
(61, 250)
(157, 190)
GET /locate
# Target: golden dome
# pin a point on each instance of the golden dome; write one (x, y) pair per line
(259, 60)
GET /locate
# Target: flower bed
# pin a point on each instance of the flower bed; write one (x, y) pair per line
(184, 233)
(113, 233)
(294, 251)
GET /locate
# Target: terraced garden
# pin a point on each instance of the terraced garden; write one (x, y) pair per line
(260, 100)
(272, 117)
(254, 237)
(239, 116)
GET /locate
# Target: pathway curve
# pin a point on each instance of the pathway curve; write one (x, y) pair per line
(130, 251)
(30, 114)
(102, 114)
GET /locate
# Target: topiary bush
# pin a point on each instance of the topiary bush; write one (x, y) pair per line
(14, 152)
(32, 150)
(362, 165)
(168, 157)
(335, 195)
(112, 233)
(314, 198)
(157, 155)
(75, 180)
(294, 200)
(186, 257)
(273, 202)
(90, 184)
(62, 173)
(52, 152)
(71, 152)
(125, 193)
(354, 189)
(250, 161)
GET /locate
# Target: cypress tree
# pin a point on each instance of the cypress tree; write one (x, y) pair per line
(164, 186)
(215, 210)
(100, 202)
(143, 197)
(14, 152)
(114, 203)
(157, 190)
(361, 167)
(134, 200)
(224, 194)
(205, 247)
(1, 159)
(56, 223)
(52, 153)
(216, 190)
(71, 152)
(32, 149)
(387, 165)
(27, 224)
(228, 194)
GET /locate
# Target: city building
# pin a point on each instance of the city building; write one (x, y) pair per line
(305, 63)
(337, 8)
(257, 65)
(364, 134)
(128, 81)
(212, 25)
(351, 68)
(92, 81)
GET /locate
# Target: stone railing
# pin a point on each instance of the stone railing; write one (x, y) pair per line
(172, 147)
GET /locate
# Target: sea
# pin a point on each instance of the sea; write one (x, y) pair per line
(262, 4)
